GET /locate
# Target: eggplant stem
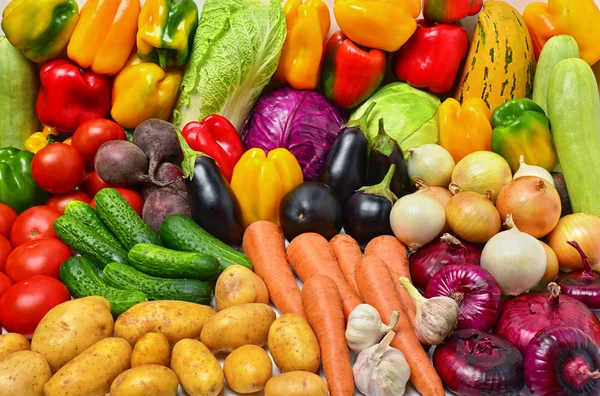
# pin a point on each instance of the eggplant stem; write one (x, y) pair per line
(586, 264)
(412, 291)
(382, 189)
(361, 122)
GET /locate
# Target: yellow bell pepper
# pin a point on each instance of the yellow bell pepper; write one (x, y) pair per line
(382, 24)
(39, 140)
(105, 35)
(68, 141)
(577, 18)
(144, 90)
(260, 181)
(465, 129)
(302, 52)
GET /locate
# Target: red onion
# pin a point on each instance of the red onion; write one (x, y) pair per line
(472, 362)
(581, 285)
(562, 361)
(522, 317)
(475, 290)
(428, 260)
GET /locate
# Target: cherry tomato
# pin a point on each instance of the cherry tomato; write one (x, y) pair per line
(5, 283)
(59, 202)
(25, 303)
(5, 250)
(7, 218)
(92, 183)
(92, 134)
(34, 223)
(38, 257)
(133, 197)
(57, 168)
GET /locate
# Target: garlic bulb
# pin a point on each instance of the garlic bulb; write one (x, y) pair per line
(532, 170)
(381, 370)
(365, 328)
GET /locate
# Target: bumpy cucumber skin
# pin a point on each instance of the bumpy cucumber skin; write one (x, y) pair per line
(88, 216)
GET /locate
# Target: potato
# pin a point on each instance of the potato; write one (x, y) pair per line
(239, 325)
(247, 369)
(152, 348)
(199, 372)
(23, 373)
(175, 319)
(293, 344)
(92, 371)
(70, 328)
(239, 285)
(296, 383)
(146, 380)
(12, 342)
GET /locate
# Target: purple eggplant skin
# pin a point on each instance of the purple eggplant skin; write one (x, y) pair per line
(167, 172)
(367, 216)
(162, 203)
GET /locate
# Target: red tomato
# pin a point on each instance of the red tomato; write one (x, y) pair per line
(34, 223)
(57, 168)
(59, 202)
(92, 183)
(92, 134)
(5, 249)
(5, 283)
(39, 257)
(7, 218)
(133, 197)
(25, 303)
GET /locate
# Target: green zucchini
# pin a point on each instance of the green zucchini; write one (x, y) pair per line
(87, 242)
(124, 277)
(574, 112)
(81, 278)
(180, 232)
(122, 220)
(87, 215)
(166, 263)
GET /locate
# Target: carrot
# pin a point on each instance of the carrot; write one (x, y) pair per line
(323, 306)
(394, 255)
(265, 246)
(310, 254)
(376, 284)
(348, 255)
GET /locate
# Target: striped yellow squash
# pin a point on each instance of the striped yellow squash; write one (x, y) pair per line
(500, 64)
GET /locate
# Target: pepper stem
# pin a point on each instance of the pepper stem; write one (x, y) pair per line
(414, 294)
(383, 143)
(163, 58)
(383, 345)
(189, 156)
(587, 269)
(361, 122)
(383, 189)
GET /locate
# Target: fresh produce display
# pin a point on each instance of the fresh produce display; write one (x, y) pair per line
(301, 197)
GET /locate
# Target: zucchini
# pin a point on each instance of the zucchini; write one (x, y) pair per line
(181, 233)
(81, 278)
(88, 216)
(87, 242)
(124, 277)
(122, 220)
(574, 112)
(166, 263)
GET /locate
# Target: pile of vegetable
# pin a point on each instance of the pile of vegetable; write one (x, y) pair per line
(232, 198)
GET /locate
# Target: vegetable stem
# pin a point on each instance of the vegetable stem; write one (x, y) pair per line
(189, 156)
(448, 238)
(383, 345)
(587, 269)
(361, 122)
(383, 189)
(554, 290)
(412, 291)
(484, 345)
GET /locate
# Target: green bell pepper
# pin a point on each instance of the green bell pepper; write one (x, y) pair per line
(522, 129)
(17, 187)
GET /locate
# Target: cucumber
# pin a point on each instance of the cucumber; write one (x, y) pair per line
(87, 242)
(166, 263)
(122, 220)
(81, 278)
(124, 277)
(181, 233)
(88, 216)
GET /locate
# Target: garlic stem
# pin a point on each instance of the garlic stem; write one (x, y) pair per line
(383, 345)
(414, 294)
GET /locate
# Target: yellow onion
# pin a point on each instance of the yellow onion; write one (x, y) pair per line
(440, 194)
(480, 172)
(534, 204)
(473, 217)
(551, 268)
(582, 228)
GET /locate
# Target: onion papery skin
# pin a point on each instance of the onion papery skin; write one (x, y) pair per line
(473, 217)
(560, 361)
(582, 228)
(447, 250)
(477, 293)
(475, 363)
(524, 316)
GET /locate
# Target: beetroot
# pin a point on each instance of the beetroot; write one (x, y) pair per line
(159, 141)
(162, 203)
(168, 172)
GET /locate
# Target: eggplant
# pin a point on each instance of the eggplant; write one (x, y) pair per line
(311, 207)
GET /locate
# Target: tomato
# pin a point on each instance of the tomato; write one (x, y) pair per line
(5, 249)
(5, 283)
(38, 257)
(25, 303)
(59, 202)
(57, 168)
(92, 134)
(7, 218)
(134, 198)
(92, 183)
(34, 223)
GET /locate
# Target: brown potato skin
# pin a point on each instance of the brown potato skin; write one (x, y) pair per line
(296, 383)
(23, 373)
(239, 285)
(151, 348)
(146, 380)
(294, 345)
(199, 372)
(247, 369)
(13, 342)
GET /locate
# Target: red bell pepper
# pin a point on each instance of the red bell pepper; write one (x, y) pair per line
(216, 137)
(431, 58)
(449, 11)
(351, 73)
(70, 96)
